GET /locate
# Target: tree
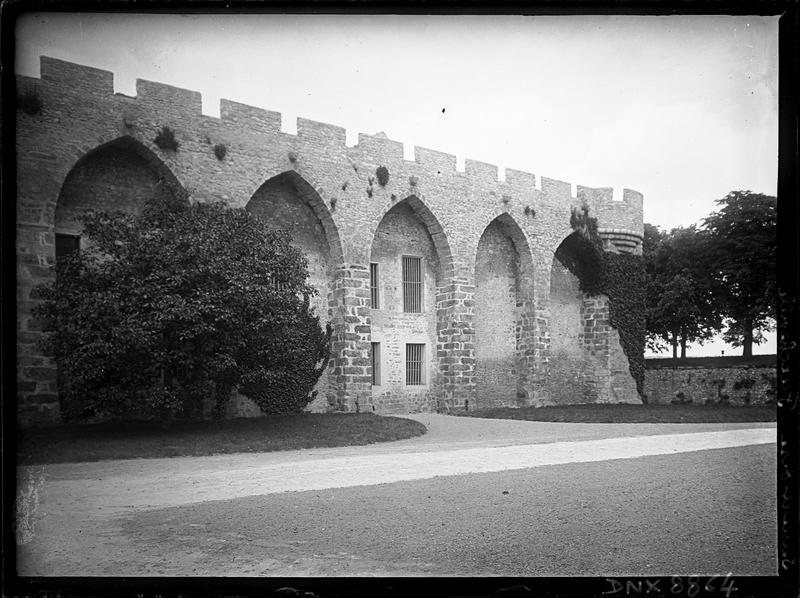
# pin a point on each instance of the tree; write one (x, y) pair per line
(165, 313)
(680, 294)
(741, 252)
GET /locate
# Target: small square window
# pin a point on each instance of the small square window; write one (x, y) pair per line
(414, 364)
(66, 244)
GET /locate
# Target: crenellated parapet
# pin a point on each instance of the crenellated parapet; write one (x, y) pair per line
(620, 222)
(157, 104)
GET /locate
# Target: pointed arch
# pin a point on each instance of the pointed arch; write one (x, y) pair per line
(289, 202)
(312, 197)
(432, 224)
(503, 303)
(575, 254)
(511, 228)
(411, 272)
(120, 173)
(575, 370)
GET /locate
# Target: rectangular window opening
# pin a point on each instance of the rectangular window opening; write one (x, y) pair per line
(373, 285)
(412, 284)
(376, 364)
(414, 364)
(66, 244)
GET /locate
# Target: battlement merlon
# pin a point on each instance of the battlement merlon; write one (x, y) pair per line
(480, 170)
(521, 179)
(249, 118)
(380, 149)
(611, 214)
(321, 134)
(77, 77)
(557, 189)
(429, 159)
(169, 98)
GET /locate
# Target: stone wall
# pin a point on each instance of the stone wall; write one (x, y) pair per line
(496, 282)
(587, 363)
(334, 185)
(567, 371)
(402, 233)
(702, 380)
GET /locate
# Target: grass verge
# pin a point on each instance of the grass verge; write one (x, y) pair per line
(631, 414)
(96, 442)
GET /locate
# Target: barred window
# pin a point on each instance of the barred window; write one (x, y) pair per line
(66, 244)
(412, 284)
(414, 361)
(376, 364)
(373, 285)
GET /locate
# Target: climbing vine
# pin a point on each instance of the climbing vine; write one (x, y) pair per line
(624, 285)
(619, 276)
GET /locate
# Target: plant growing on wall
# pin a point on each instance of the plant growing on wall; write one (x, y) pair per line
(165, 139)
(220, 151)
(29, 101)
(183, 303)
(383, 175)
(619, 276)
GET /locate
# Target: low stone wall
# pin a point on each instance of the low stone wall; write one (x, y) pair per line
(707, 380)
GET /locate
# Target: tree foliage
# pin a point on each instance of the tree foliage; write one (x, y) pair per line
(681, 297)
(741, 258)
(164, 313)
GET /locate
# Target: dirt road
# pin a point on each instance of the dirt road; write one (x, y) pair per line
(189, 516)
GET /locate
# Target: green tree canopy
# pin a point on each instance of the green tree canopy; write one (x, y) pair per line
(741, 254)
(681, 307)
(163, 314)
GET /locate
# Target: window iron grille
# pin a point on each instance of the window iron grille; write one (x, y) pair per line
(376, 364)
(412, 284)
(414, 361)
(373, 286)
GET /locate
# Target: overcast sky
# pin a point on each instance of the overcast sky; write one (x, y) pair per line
(683, 109)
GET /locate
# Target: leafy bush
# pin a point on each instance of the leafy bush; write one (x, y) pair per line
(383, 175)
(220, 151)
(165, 139)
(165, 313)
(290, 366)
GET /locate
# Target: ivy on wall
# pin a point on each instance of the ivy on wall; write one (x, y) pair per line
(624, 284)
(619, 276)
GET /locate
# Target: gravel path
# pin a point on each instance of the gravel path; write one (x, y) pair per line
(69, 509)
(647, 516)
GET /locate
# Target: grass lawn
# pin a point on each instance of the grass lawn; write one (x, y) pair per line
(631, 414)
(95, 442)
